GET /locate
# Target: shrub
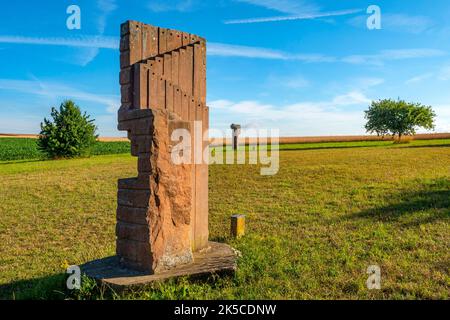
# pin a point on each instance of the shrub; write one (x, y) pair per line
(71, 134)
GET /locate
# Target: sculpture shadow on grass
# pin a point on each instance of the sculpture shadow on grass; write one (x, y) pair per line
(51, 287)
(428, 205)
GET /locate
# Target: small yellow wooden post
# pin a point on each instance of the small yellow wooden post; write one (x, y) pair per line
(237, 225)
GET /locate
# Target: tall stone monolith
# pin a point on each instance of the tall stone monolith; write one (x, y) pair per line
(162, 213)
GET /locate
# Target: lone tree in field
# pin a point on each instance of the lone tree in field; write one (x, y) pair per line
(71, 134)
(398, 118)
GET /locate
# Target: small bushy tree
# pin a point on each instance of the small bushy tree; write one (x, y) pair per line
(398, 118)
(71, 134)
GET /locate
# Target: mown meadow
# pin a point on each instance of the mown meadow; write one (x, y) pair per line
(312, 229)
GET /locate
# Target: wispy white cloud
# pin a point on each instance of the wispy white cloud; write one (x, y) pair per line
(349, 99)
(86, 55)
(60, 91)
(228, 50)
(308, 16)
(437, 74)
(285, 6)
(86, 41)
(444, 73)
(419, 78)
(214, 49)
(342, 114)
(295, 82)
(442, 118)
(368, 82)
(220, 49)
(163, 6)
(25, 124)
(397, 54)
(397, 22)
(336, 116)
(408, 23)
(292, 111)
(292, 9)
(106, 7)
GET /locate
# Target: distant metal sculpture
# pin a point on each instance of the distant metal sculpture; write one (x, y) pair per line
(236, 132)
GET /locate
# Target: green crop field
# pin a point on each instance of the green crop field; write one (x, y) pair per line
(312, 229)
(12, 149)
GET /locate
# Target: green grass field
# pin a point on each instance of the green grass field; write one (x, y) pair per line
(12, 149)
(312, 229)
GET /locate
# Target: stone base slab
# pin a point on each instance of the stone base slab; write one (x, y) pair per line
(217, 258)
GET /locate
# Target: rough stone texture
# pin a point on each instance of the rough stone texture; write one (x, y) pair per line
(162, 214)
(218, 258)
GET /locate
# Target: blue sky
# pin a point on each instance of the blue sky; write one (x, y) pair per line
(307, 67)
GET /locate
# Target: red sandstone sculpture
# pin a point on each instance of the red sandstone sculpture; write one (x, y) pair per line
(162, 214)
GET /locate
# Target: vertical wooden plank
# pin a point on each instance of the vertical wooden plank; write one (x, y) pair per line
(201, 207)
(206, 113)
(177, 99)
(149, 41)
(135, 42)
(206, 136)
(169, 40)
(174, 40)
(193, 176)
(126, 93)
(198, 64)
(205, 122)
(182, 76)
(189, 69)
(124, 43)
(205, 118)
(179, 39)
(154, 31)
(125, 27)
(194, 38)
(201, 190)
(186, 38)
(162, 40)
(161, 84)
(199, 111)
(192, 107)
(152, 90)
(125, 75)
(203, 74)
(167, 67)
(125, 59)
(140, 86)
(174, 77)
(159, 66)
(184, 110)
(169, 96)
